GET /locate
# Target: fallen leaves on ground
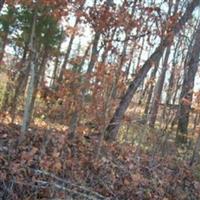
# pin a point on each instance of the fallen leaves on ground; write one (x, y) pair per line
(48, 165)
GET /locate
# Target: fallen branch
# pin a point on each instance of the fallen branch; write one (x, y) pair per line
(68, 186)
(44, 184)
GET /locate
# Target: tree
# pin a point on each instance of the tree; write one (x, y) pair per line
(190, 70)
(32, 85)
(113, 127)
(158, 91)
(69, 48)
(45, 34)
(150, 91)
(160, 83)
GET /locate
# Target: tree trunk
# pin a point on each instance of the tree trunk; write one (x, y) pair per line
(108, 46)
(20, 82)
(160, 82)
(55, 70)
(37, 79)
(113, 127)
(195, 154)
(158, 91)
(127, 71)
(94, 54)
(4, 43)
(60, 78)
(191, 67)
(76, 114)
(33, 80)
(150, 93)
(122, 57)
(172, 74)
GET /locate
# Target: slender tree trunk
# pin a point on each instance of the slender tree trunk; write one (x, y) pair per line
(63, 67)
(127, 71)
(79, 67)
(42, 67)
(20, 83)
(187, 87)
(195, 155)
(4, 43)
(196, 120)
(37, 78)
(10, 90)
(150, 92)
(94, 54)
(40, 79)
(7, 94)
(66, 59)
(55, 70)
(177, 87)
(158, 91)
(28, 108)
(76, 114)
(113, 127)
(159, 84)
(108, 47)
(172, 74)
(122, 59)
(171, 89)
(140, 55)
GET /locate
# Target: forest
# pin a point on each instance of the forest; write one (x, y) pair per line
(100, 99)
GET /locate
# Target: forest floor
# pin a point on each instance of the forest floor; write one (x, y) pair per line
(49, 165)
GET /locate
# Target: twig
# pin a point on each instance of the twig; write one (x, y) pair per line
(62, 187)
(45, 184)
(81, 189)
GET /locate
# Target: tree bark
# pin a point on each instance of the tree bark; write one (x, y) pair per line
(113, 127)
(56, 64)
(75, 116)
(60, 78)
(94, 53)
(172, 74)
(160, 82)
(123, 56)
(4, 43)
(187, 87)
(32, 84)
(158, 91)
(150, 93)
(21, 82)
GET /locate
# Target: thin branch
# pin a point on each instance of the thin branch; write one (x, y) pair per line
(69, 184)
